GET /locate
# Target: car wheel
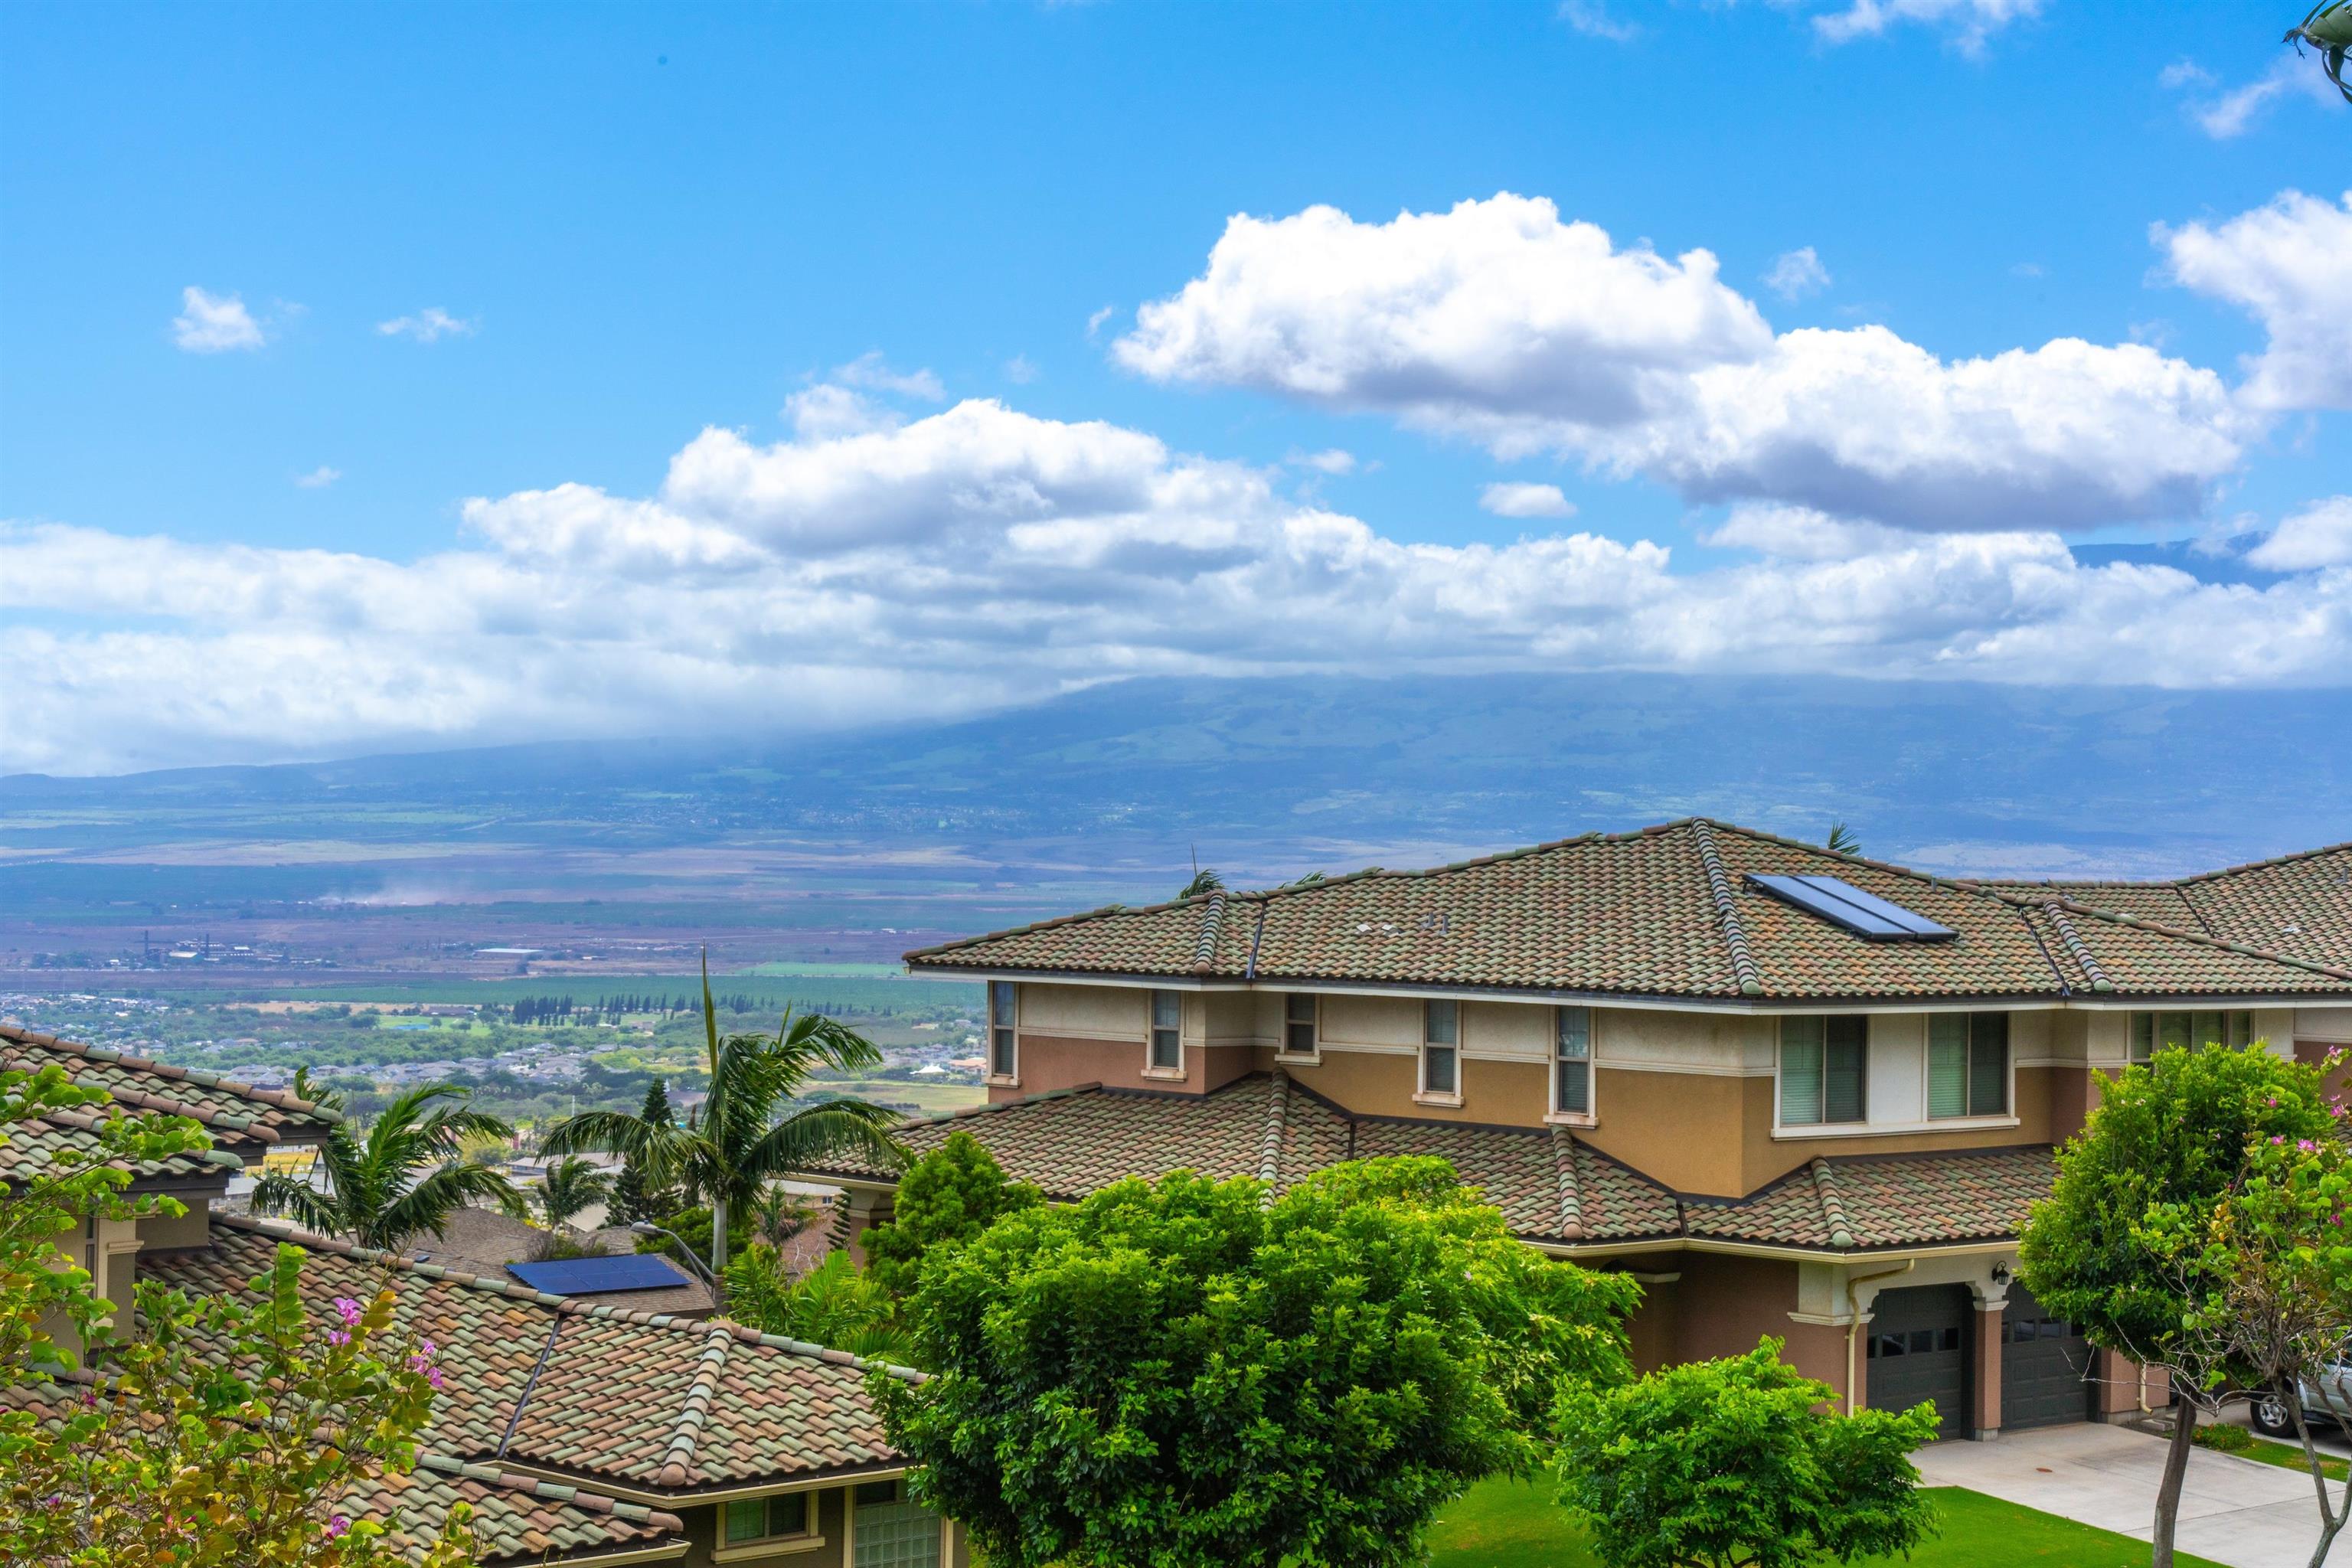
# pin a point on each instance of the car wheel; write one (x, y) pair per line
(2271, 1417)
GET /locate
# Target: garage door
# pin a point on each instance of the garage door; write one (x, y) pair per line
(1918, 1350)
(2044, 1366)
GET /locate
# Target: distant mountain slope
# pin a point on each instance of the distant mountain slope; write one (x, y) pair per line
(1275, 775)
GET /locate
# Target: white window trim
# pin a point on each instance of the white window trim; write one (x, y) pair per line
(1423, 1094)
(1590, 1115)
(1150, 1070)
(1889, 1129)
(995, 1080)
(1282, 1052)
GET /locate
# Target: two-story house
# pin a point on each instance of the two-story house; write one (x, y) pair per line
(580, 1432)
(1793, 1093)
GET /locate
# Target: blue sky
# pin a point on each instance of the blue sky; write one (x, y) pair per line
(644, 222)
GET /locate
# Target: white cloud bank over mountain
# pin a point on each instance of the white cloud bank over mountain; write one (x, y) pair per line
(1500, 322)
(982, 555)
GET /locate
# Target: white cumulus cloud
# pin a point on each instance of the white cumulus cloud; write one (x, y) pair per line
(1515, 498)
(983, 555)
(429, 325)
(2319, 535)
(2226, 115)
(2289, 265)
(871, 372)
(1499, 322)
(318, 479)
(214, 323)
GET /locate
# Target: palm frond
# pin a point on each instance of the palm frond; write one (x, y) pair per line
(276, 1193)
(427, 1205)
(813, 1133)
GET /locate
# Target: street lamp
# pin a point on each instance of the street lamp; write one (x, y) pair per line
(718, 1291)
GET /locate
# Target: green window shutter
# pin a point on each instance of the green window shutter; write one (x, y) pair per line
(1845, 1070)
(1987, 1064)
(1948, 1063)
(1800, 1071)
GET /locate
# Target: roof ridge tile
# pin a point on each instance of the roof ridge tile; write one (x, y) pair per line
(2077, 948)
(679, 1461)
(1571, 1205)
(554, 1492)
(1204, 947)
(117, 1057)
(1743, 960)
(1833, 1210)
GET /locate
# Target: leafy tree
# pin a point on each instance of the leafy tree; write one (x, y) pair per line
(836, 1304)
(947, 1197)
(2272, 1268)
(404, 1176)
(2168, 1140)
(1739, 1463)
(572, 1187)
(775, 1216)
(656, 1111)
(230, 1432)
(753, 1128)
(1197, 1372)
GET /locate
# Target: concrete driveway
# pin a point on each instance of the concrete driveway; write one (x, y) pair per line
(2232, 1510)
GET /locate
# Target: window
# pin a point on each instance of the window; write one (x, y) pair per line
(1003, 1061)
(1298, 1025)
(2154, 1032)
(1572, 1071)
(1166, 1031)
(1441, 1038)
(765, 1518)
(1967, 1064)
(1824, 1070)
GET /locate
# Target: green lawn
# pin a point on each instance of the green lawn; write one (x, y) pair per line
(1504, 1524)
(2289, 1456)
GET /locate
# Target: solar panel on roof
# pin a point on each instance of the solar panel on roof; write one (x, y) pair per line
(1842, 904)
(600, 1276)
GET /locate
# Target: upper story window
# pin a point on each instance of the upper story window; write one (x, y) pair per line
(1168, 1031)
(1571, 1069)
(1440, 1047)
(1299, 1020)
(1824, 1070)
(766, 1518)
(1002, 1058)
(2154, 1032)
(1967, 1064)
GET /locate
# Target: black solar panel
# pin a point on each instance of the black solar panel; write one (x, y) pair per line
(1842, 904)
(596, 1276)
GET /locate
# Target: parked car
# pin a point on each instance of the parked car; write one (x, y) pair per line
(2328, 1399)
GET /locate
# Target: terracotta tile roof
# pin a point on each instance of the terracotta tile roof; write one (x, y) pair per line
(1551, 1187)
(242, 1119)
(2298, 906)
(1862, 1202)
(517, 1519)
(652, 1403)
(1666, 912)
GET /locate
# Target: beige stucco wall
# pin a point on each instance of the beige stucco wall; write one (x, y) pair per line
(157, 1232)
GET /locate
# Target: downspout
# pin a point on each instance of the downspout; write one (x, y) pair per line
(1853, 1317)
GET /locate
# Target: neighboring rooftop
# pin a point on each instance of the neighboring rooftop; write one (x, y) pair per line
(589, 1392)
(242, 1120)
(1551, 1187)
(1674, 911)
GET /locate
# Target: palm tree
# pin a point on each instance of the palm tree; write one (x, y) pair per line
(572, 1187)
(752, 1127)
(1842, 841)
(406, 1176)
(2328, 29)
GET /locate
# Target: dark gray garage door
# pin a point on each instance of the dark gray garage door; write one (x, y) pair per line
(1919, 1349)
(2043, 1366)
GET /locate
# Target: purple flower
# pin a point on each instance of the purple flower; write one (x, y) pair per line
(337, 1527)
(432, 1376)
(350, 1311)
(338, 1337)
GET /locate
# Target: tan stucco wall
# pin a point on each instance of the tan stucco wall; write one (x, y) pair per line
(1725, 1304)
(1764, 1157)
(190, 1230)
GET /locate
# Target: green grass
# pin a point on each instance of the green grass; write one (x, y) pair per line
(2289, 1457)
(1508, 1524)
